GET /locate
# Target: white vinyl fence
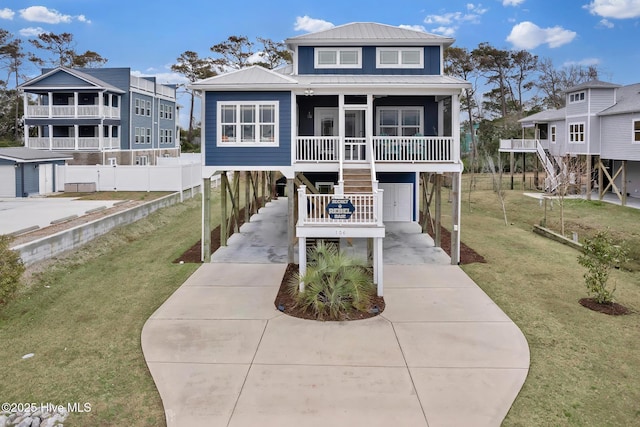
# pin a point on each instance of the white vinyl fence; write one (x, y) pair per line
(175, 177)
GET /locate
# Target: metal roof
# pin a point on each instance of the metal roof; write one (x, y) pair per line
(545, 116)
(27, 155)
(627, 101)
(592, 84)
(380, 80)
(99, 84)
(251, 76)
(358, 33)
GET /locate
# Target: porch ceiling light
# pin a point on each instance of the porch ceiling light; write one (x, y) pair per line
(308, 92)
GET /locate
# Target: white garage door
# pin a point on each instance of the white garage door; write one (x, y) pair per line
(7, 181)
(397, 202)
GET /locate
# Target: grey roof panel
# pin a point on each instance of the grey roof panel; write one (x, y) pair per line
(254, 75)
(365, 32)
(627, 101)
(593, 84)
(544, 116)
(79, 74)
(24, 154)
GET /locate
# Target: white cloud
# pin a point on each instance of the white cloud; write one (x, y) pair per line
(82, 18)
(31, 31)
(414, 27)
(311, 25)
(42, 14)
(7, 13)
(605, 23)
(512, 2)
(448, 23)
(586, 62)
(618, 9)
(527, 35)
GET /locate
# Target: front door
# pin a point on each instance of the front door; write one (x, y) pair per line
(397, 204)
(354, 130)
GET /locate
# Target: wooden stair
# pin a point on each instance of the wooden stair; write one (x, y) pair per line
(357, 181)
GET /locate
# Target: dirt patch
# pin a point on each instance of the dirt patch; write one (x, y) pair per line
(467, 254)
(613, 309)
(287, 304)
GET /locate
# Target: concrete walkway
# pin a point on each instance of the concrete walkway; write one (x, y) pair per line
(441, 354)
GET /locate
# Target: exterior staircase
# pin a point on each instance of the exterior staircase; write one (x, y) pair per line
(357, 181)
(551, 181)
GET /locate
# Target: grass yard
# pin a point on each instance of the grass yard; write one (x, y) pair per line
(82, 317)
(585, 366)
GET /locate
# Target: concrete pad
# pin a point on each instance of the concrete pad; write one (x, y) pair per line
(426, 276)
(20, 213)
(467, 397)
(219, 274)
(463, 345)
(201, 341)
(442, 305)
(306, 396)
(198, 394)
(370, 342)
(199, 302)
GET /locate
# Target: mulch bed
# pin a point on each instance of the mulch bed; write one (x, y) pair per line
(287, 304)
(467, 255)
(613, 309)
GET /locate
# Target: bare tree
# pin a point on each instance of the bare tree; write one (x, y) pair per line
(498, 185)
(233, 54)
(552, 81)
(273, 54)
(63, 50)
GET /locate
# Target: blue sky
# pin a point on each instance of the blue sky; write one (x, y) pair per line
(148, 36)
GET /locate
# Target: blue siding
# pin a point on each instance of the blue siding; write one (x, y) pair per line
(141, 120)
(431, 63)
(248, 156)
(61, 79)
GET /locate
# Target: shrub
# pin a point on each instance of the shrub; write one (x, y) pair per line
(600, 255)
(335, 284)
(11, 269)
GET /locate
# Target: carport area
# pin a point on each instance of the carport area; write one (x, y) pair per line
(441, 354)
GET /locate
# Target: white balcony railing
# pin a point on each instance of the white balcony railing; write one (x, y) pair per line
(68, 111)
(312, 209)
(518, 145)
(407, 149)
(71, 143)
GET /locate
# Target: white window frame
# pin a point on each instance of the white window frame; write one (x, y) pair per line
(148, 136)
(577, 97)
(148, 108)
(142, 160)
(574, 132)
(161, 111)
(257, 124)
(337, 51)
(137, 106)
(400, 126)
(399, 51)
(137, 136)
(635, 131)
(168, 112)
(553, 133)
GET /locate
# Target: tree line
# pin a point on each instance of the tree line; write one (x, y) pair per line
(506, 85)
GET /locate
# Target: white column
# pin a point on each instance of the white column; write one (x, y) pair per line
(368, 132)
(341, 133)
(302, 260)
(379, 265)
(26, 135)
(455, 126)
(50, 99)
(76, 132)
(75, 104)
(101, 104)
(50, 132)
(101, 136)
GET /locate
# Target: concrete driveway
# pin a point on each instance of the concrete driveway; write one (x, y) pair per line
(441, 354)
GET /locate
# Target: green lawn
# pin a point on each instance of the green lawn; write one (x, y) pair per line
(585, 366)
(82, 317)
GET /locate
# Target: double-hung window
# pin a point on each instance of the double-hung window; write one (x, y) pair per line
(553, 134)
(248, 123)
(399, 57)
(576, 97)
(400, 121)
(576, 133)
(636, 132)
(332, 57)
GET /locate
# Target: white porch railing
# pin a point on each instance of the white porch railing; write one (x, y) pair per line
(312, 209)
(69, 143)
(518, 144)
(409, 149)
(36, 111)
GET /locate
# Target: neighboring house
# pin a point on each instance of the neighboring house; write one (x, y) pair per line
(25, 172)
(600, 124)
(364, 109)
(101, 116)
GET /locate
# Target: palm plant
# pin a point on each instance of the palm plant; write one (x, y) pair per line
(335, 284)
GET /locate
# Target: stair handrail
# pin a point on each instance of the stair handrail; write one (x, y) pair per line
(372, 163)
(551, 181)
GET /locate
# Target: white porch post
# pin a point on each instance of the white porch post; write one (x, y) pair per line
(368, 132)
(302, 260)
(378, 265)
(50, 132)
(101, 104)
(101, 135)
(25, 109)
(455, 126)
(50, 103)
(75, 104)
(341, 133)
(76, 133)
(456, 196)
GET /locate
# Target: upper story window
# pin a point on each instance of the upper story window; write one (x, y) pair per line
(576, 97)
(137, 103)
(248, 123)
(148, 108)
(333, 57)
(576, 133)
(636, 131)
(399, 57)
(553, 134)
(400, 121)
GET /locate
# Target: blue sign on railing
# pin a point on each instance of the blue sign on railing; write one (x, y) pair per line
(340, 209)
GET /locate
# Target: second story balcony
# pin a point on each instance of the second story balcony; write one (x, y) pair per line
(72, 111)
(73, 105)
